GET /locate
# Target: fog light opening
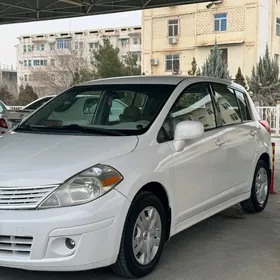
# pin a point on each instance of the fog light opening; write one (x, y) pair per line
(70, 243)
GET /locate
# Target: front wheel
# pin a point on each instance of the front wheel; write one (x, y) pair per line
(143, 237)
(260, 190)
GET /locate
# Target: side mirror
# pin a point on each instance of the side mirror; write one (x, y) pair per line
(187, 130)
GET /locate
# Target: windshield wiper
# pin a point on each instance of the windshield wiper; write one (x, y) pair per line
(93, 130)
(27, 128)
(72, 128)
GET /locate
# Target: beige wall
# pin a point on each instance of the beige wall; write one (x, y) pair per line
(244, 39)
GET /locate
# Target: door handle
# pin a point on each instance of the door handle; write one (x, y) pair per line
(220, 141)
(253, 133)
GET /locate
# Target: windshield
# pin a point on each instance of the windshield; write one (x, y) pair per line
(100, 109)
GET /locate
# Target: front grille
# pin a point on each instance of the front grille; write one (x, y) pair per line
(24, 197)
(15, 246)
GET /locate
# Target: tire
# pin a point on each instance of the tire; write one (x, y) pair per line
(255, 204)
(128, 265)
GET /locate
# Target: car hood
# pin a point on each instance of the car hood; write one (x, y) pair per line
(42, 159)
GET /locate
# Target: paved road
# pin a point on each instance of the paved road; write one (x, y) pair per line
(229, 246)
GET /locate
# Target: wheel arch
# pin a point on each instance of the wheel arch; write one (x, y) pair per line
(266, 158)
(160, 192)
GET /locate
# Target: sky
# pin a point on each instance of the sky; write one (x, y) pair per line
(9, 33)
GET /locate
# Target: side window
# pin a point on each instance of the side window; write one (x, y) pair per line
(1, 108)
(90, 106)
(195, 103)
(227, 104)
(243, 105)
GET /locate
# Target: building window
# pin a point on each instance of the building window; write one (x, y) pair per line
(220, 22)
(25, 63)
(276, 58)
(27, 48)
(278, 27)
(136, 41)
(40, 47)
(29, 63)
(79, 45)
(124, 42)
(172, 61)
(36, 62)
(43, 62)
(173, 27)
(40, 62)
(224, 54)
(52, 46)
(63, 44)
(93, 45)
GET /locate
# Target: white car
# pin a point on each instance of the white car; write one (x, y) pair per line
(10, 118)
(3, 108)
(80, 189)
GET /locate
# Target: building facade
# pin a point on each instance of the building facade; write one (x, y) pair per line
(37, 54)
(172, 36)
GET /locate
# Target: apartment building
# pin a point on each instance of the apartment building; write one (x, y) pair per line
(40, 51)
(172, 36)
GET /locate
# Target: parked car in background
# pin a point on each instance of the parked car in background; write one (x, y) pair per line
(107, 172)
(10, 118)
(3, 108)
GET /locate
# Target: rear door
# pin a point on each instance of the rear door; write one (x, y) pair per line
(250, 127)
(237, 136)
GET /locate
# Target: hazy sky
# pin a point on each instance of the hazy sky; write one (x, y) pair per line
(9, 33)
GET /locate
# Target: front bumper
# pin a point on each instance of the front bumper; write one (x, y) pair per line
(35, 240)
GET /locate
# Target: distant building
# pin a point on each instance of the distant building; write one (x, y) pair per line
(40, 50)
(8, 76)
(172, 36)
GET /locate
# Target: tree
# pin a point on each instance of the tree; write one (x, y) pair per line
(240, 79)
(107, 62)
(264, 80)
(26, 95)
(131, 66)
(82, 75)
(195, 71)
(67, 67)
(214, 65)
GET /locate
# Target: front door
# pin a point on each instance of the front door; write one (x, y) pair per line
(197, 167)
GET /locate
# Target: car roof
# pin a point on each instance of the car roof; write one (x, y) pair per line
(153, 79)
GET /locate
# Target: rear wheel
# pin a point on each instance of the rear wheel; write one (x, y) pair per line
(143, 237)
(260, 190)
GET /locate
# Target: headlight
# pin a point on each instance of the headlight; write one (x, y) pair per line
(84, 187)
